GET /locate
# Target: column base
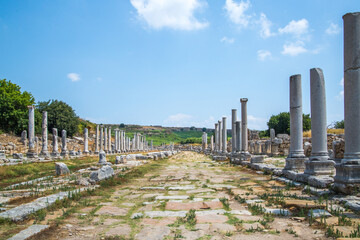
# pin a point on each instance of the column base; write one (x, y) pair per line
(55, 154)
(64, 153)
(245, 156)
(295, 164)
(347, 178)
(321, 167)
(31, 155)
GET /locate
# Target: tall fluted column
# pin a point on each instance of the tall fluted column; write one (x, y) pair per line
(220, 136)
(296, 158)
(109, 141)
(105, 140)
(64, 151)
(233, 130)
(97, 140)
(86, 141)
(55, 152)
(101, 138)
(244, 130)
(238, 136)
(44, 130)
(318, 163)
(224, 136)
(347, 177)
(216, 133)
(31, 151)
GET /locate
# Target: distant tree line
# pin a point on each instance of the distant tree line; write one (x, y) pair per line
(14, 112)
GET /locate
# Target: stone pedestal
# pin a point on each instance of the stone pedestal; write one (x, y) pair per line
(319, 167)
(347, 177)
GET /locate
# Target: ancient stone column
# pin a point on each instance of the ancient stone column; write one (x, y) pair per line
(220, 136)
(116, 140)
(31, 151)
(105, 140)
(347, 177)
(101, 138)
(109, 141)
(24, 138)
(97, 140)
(238, 136)
(55, 152)
(216, 133)
(233, 130)
(272, 133)
(296, 158)
(318, 163)
(44, 130)
(204, 141)
(244, 130)
(64, 151)
(224, 135)
(86, 141)
(212, 143)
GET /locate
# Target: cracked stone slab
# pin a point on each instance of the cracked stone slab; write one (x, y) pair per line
(21, 212)
(29, 232)
(152, 188)
(175, 197)
(190, 187)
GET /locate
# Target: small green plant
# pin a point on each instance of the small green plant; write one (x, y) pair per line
(225, 203)
(344, 221)
(256, 209)
(330, 232)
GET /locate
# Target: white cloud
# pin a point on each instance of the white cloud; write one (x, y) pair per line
(74, 77)
(185, 120)
(265, 24)
(294, 49)
(174, 14)
(333, 29)
(340, 96)
(257, 123)
(296, 28)
(227, 40)
(263, 55)
(236, 12)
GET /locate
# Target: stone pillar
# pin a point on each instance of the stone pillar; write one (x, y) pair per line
(64, 151)
(105, 140)
(347, 179)
(55, 152)
(272, 134)
(86, 141)
(216, 133)
(151, 145)
(101, 138)
(212, 143)
(238, 136)
(31, 151)
(116, 140)
(204, 141)
(244, 130)
(44, 130)
(24, 138)
(233, 130)
(296, 158)
(224, 135)
(219, 136)
(109, 141)
(319, 163)
(97, 140)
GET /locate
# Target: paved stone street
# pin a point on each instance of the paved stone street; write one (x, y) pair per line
(230, 202)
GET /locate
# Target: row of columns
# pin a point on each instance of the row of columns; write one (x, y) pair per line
(102, 139)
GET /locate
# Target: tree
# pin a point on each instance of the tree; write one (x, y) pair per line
(121, 125)
(339, 124)
(204, 129)
(14, 111)
(281, 122)
(60, 116)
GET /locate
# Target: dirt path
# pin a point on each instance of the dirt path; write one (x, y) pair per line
(229, 202)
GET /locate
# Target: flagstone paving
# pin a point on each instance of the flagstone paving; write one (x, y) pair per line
(230, 202)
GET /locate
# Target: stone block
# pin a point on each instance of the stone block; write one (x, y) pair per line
(61, 169)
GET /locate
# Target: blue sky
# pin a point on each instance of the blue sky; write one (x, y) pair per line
(173, 62)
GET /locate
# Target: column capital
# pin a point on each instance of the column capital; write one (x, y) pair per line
(243, 99)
